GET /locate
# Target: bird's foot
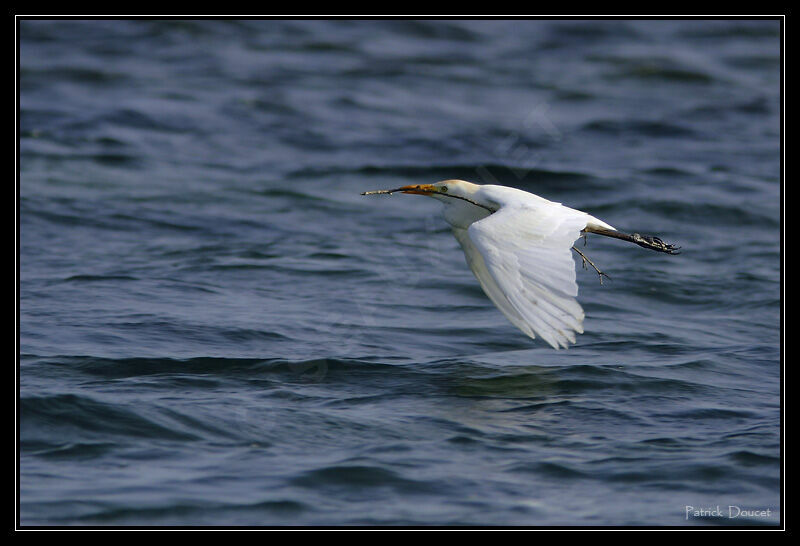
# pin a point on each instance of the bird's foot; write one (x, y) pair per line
(654, 243)
(586, 260)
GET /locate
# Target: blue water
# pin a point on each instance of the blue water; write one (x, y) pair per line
(215, 328)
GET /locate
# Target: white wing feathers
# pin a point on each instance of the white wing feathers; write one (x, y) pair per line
(522, 256)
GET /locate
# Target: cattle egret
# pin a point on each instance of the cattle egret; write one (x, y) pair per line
(518, 246)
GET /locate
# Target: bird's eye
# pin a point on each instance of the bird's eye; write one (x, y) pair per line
(443, 189)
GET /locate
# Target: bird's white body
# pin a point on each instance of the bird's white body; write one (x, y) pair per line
(520, 252)
(462, 214)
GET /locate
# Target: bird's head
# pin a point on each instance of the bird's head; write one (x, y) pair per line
(460, 199)
(440, 190)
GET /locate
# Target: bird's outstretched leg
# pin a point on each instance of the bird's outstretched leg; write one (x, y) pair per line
(644, 241)
(585, 260)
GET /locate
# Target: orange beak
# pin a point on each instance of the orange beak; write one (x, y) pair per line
(421, 189)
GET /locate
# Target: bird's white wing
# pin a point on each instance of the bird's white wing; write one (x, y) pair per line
(490, 287)
(522, 256)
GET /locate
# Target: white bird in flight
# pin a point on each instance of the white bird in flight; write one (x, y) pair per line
(518, 246)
